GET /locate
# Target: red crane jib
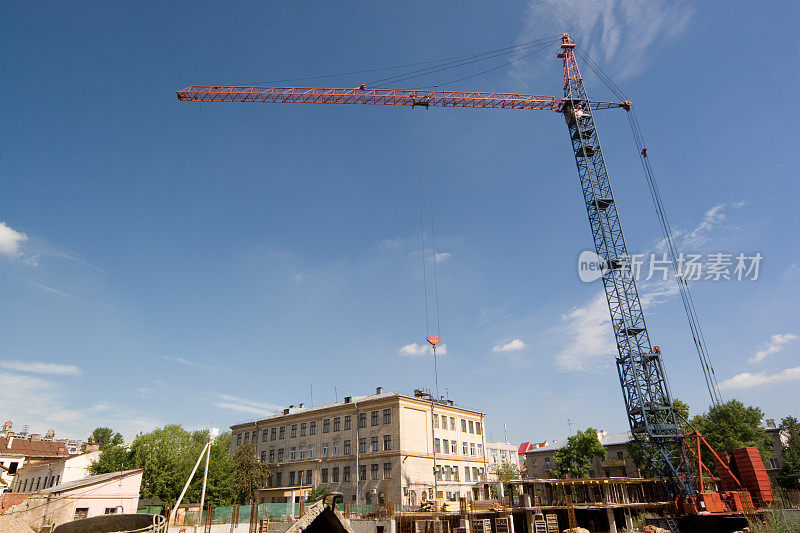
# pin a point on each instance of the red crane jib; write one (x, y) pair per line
(367, 96)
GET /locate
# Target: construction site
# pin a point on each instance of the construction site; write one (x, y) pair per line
(422, 461)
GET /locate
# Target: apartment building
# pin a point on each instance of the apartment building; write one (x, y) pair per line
(386, 447)
(539, 462)
(498, 453)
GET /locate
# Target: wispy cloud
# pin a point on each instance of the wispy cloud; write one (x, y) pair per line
(417, 350)
(746, 379)
(51, 290)
(587, 330)
(442, 256)
(621, 35)
(244, 405)
(35, 367)
(776, 344)
(513, 346)
(10, 241)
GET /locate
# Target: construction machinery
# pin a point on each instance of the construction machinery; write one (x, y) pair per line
(653, 420)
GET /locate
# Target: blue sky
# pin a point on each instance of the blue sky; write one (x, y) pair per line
(203, 263)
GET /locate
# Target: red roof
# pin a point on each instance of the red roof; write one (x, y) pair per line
(28, 448)
(524, 447)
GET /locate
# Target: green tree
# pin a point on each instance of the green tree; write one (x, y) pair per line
(317, 493)
(574, 459)
(112, 459)
(731, 425)
(506, 471)
(789, 475)
(249, 474)
(106, 438)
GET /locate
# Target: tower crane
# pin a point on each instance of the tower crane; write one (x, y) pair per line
(649, 405)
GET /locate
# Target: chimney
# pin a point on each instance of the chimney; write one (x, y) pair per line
(348, 399)
(10, 442)
(379, 390)
(286, 411)
(291, 407)
(301, 405)
(35, 437)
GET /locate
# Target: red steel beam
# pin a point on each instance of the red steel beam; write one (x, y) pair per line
(362, 95)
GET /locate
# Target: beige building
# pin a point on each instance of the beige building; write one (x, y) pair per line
(498, 453)
(42, 475)
(387, 447)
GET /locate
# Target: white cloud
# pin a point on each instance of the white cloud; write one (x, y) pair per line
(513, 346)
(10, 241)
(45, 287)
(35, 367)
(442, 256)
(587, 332)
(713, 219)
(620, 35)
(416, 350)
(776, 344)
(746, 379)
(244, 405)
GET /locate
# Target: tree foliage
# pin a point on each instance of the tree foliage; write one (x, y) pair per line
(106, 438)
(167, 456)
(789, 475)
(249, 474)
(317, 493)
(506, 471)
(731, 425)
(574, 459)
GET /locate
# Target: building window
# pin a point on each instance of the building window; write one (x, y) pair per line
(309, 479)
(446, 473)
(373, 442)
(387, 470)
(591, 473)
(471, 426)
(324, 475)
(255, 436)
(619, 455)
(280, 454)
(273, 433)
(463, 425)
(302, 452)
(347, 450)
(445, 446)
(246, 437)
(278, 479)
(312, 428)
(303, 429)
(373, 470)
(773, 463)
(292, 453)
(294, 430)
(264, 435)
(238, 439)
(453, 447)
(326, 425)
(324, 449)
(362, 472)
(475, 473)
(435, 418)
(269, 480)
(335, 474)
(438, 472)
(272, 455)
(12, 467)
(362, 445)
(291, 478)
(387, 416)
(547, 463)
(534, 461)
(452, 423)
(387, 442)
(362, 420)
(455, 473)
(478, 428)
(347, 422)
(111, 510)
(311, 450)
(282, 434)
(336, 449)
(263, 456)
(346, 474)
(337, 423)
(374, 418)
(81, 512)
(480, 450)
(437, 446)
(464, 448)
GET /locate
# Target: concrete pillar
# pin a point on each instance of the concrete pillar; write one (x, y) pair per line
(510, 519)
(529, 521)
(612, 523)
(628, 520)
(500, 491)
(292, 507)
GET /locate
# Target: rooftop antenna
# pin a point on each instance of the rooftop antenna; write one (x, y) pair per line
(505, 430)
(335, 394)
(312, 394)
(569, 423)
